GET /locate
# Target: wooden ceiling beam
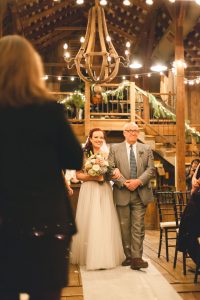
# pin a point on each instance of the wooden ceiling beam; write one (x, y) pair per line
(3, 6)
(126, 35)
(50, 34)
(16, 21)
(70, 28)
(44, 26)
(45, 13)
(170, 8)
(53, 40)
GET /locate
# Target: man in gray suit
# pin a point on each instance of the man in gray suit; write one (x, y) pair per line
(132, 191)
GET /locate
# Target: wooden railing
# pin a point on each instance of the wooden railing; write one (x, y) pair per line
(112, 112)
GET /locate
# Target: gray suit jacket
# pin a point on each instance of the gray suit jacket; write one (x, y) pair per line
(145, 171)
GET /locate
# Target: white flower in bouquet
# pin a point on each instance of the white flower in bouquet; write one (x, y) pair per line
(96, 165)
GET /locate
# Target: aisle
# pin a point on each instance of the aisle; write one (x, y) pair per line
(122, 283)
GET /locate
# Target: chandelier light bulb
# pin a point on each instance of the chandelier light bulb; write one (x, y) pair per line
(136, 76)
(103, 2)
(126, 52)
(108, 38)
(124, 77)
(65, 46)
(82, 39)
(128, 44)
(127, 2)
(72, 78)
(79, 1)
(67, 54)
(109, 58)
(149, 74)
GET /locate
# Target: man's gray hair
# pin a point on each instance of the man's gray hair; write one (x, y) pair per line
(130, 124)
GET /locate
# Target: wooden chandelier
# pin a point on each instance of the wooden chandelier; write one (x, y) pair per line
(97, 60)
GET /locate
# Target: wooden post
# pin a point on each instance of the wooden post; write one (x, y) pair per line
(3, 5)
(132, 101)
(87, 108)
(146, 107)
(180, 100)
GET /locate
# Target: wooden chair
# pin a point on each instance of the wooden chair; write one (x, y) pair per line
(168, 222)
(181, 200)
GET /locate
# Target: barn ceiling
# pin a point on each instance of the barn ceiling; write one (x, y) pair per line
(149, 28)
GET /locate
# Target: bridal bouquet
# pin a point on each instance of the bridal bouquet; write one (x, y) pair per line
(96, 165)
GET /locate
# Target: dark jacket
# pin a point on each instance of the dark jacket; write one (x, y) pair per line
(36, 144)
(189, 229)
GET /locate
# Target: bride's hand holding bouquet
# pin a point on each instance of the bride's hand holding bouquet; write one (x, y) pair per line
(96, 166)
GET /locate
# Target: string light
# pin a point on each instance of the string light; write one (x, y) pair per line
(126, 2)
(187, 81)
(103, 2)
(79, 1)
(149, 2)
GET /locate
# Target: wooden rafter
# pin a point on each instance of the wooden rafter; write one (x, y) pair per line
(45, 13)
(70, 28)
(126, 35)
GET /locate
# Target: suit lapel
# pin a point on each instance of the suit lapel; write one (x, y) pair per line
(139, 157)
(124, 156)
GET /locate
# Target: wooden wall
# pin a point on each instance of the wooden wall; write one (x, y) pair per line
(193, 104)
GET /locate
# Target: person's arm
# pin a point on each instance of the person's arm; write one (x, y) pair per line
(68, 187)
(80, 175)
(195, 180)
(120, 180)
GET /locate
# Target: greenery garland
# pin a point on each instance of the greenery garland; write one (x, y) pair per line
(160, 111)
(118, 93)
(77, 99)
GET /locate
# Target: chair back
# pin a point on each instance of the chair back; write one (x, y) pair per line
(181, 200)
(166, 206)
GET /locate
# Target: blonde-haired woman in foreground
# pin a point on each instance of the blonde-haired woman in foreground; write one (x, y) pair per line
(37, 144)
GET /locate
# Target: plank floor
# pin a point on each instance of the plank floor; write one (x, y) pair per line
(184, 285)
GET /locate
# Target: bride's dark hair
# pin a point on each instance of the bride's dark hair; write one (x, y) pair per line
(88, 146)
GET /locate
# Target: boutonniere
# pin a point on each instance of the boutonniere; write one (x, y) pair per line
(141, 152)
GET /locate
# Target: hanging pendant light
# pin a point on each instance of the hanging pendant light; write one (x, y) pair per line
(97, 60)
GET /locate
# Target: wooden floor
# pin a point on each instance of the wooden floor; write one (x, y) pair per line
(183, 284)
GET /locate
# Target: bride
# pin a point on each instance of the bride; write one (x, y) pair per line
(97, 245)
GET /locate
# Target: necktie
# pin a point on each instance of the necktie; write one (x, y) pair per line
(133, 165)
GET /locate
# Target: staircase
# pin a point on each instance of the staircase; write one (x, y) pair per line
(158, 142)
(168, 153)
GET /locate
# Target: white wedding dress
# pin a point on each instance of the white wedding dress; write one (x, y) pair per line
(98, 244)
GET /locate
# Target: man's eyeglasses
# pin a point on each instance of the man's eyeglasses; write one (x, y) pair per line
(132, 131)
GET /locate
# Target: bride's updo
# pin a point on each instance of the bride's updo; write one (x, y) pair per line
(88, 145)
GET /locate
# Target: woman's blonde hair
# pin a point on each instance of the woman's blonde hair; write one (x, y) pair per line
(21, 73)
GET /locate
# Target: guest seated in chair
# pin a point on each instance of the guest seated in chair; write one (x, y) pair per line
(189, 231)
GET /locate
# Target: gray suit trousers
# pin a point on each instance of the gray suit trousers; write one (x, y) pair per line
(131, 219)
